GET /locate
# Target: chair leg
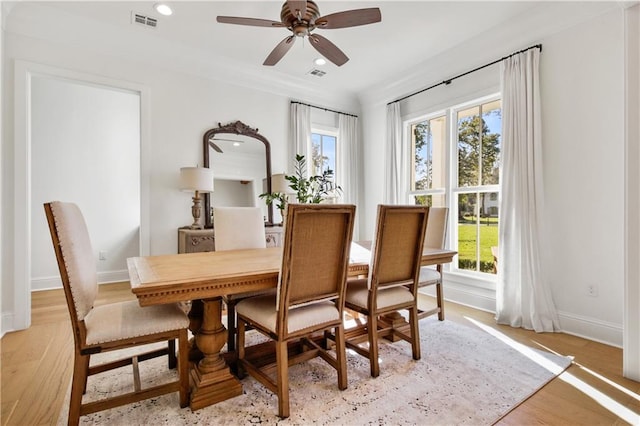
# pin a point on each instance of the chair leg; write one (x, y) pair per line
(372, 328)
(78, 385)
(440, 301)
(282, 377)
(231, 326)
(171, 348)
(341, 357)
(183, 366)
(415, 332)
(240, 334)
(439, 295)
(86, 374)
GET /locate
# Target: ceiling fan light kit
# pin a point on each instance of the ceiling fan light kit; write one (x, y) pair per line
(302, 18)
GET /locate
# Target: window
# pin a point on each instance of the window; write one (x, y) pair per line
(428, 173)
(323, 153)
(456, 163)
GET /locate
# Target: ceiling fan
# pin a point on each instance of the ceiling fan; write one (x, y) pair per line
(301, 18)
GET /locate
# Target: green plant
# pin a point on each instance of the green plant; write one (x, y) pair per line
(313, 189)
(278, 198)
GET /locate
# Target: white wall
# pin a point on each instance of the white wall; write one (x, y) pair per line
(181, 108)
(583, 137)
(85, 148)
(631, 350)
(582, 72)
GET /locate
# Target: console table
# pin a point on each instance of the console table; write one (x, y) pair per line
(203, 240)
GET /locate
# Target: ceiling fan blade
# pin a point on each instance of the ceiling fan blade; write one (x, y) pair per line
(216, 147)
(297, 5)
(328, 49)
(254, 22)
(349, 18)
(280, 50)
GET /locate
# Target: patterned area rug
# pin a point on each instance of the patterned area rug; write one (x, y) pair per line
(465, 376)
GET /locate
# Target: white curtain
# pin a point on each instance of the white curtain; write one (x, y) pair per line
(523, 297)
(300, 138)
(349, 162)
(348, 158)
(395, 164)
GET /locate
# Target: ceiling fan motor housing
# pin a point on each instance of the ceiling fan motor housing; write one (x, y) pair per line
(300, 27)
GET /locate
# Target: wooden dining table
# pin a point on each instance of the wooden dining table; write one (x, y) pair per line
(202, 279)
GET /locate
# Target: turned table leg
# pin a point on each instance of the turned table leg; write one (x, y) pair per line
(211, 379)
(195, 322)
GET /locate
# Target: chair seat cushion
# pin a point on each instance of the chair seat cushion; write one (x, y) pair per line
(428, 276)
(358, 294)
(262, 310)
(118, 321)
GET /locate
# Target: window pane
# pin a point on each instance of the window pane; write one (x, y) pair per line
(429, 154)
(431, 200)
(329, 153)
(315, 164)
(323, 154)
(488, 227)
(477, 230)
(491, 138)
(469, 129)
(467, 232)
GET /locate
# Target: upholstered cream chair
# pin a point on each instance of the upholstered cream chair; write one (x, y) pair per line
(237, 228)
(98, 329)
(392, 284)
(309, 299)
(435, 238)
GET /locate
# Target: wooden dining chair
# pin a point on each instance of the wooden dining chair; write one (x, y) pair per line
(309, 299)
(392, 284)
(435, 238)
(98, 329)
(237, 228)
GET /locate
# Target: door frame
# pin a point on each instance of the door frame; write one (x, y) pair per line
(24, 72)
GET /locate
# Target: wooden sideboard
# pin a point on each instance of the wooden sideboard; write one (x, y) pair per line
(201, 240)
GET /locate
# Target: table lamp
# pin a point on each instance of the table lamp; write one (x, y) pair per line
(280, 184)
(198, 179)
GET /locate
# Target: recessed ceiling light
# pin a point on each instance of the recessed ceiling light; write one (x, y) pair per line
(163, 9)
(319, 61)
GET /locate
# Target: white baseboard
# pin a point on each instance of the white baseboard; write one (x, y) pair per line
(458, 289)
(7, 323)
(591, 328)
(50, 283)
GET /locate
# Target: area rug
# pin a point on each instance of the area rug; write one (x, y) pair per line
(465, 376)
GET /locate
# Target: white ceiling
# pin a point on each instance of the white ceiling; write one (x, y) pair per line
(411, 32)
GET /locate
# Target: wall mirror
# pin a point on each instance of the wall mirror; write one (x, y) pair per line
(241, 161)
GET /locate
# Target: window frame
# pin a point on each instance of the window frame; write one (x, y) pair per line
(325, 131)
(451, 189)
(411, 193)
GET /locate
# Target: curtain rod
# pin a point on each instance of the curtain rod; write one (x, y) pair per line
(447, 82)
(326, 109)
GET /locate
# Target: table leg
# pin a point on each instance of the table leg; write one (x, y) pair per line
(195, 322)
(211, 379)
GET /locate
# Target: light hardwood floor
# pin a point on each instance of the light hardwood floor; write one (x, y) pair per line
(37, 365)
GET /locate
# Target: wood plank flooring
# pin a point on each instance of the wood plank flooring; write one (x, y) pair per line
(37, 364)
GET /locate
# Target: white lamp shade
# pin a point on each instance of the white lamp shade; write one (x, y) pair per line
(280, 184)
(196, 179)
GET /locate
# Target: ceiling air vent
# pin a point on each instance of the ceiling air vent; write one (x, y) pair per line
(317, 72)
(140, 19)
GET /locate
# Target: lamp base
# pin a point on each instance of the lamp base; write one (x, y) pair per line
(195, 212)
